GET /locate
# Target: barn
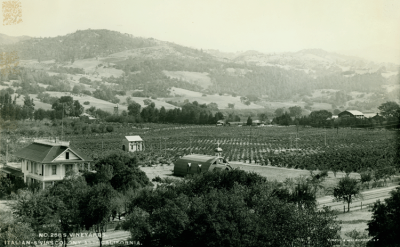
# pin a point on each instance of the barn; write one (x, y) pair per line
(197, 163)
(351, 113)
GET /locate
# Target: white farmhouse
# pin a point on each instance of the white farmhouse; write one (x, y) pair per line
(132, 144)
(45, 162)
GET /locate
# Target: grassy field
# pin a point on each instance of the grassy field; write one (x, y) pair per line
(270, 172)
(354, 221)
(139, 100)
(161, 171)
(98, 103)
(222, 100)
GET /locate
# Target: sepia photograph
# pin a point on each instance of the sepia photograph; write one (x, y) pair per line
(180, 123)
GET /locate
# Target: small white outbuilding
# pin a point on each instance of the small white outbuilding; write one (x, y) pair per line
(132, 144)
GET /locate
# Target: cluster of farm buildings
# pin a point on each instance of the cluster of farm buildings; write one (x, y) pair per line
(45, 162)
(343, 114)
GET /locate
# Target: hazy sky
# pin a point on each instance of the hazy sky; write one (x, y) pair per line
(229, 25)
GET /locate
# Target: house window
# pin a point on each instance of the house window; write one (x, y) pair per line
(67, 155)
(68, 168)
(27, 166)
(54, 170)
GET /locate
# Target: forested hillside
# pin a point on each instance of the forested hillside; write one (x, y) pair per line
(147, 65)
(78, 45)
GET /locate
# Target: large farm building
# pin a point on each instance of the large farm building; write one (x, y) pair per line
(198, 163)
(351, 113)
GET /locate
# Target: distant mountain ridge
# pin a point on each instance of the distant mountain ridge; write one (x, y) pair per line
(154, 66)
(79, 45)
(5, 39)
(316, 60)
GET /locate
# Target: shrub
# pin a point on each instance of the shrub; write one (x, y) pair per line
(110, 128)
(86, 103)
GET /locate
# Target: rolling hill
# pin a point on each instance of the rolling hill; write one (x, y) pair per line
(6, 40)
(123, 62)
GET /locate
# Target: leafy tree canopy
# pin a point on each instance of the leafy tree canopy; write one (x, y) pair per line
(390, 109)
(384, 226)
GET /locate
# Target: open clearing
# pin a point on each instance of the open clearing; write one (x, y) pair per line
(98, 103)
(197, 78)
(221, 100)
(140, 101)
(354, 221)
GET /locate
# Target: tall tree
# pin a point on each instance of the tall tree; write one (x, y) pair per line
(320, 117)
(29, 106)
(346, 190)
(279, 112)
(390, 109)
(97, 207)
(295, 111)
(134, 109)
(162, 115)
(249, 121)
(67, 195)
(68, 105)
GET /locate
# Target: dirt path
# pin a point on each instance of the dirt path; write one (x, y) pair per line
(369, 197)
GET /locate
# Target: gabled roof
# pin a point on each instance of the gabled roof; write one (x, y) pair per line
(133, 138)
(355, 112)
(87, 115)
(12, 171)
(46, 153)
(198, 158)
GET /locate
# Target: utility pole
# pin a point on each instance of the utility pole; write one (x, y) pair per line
(62, 123)
(8, 140)
(250, 135)
(160, 144)
(325, 137)
(290, 141)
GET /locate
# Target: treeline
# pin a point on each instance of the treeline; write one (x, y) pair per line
(389, 117)
(9, 110)
(191, 113)
(67, 70)
(64, 106)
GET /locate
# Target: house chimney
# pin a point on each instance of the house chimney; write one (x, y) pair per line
(55, 139)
